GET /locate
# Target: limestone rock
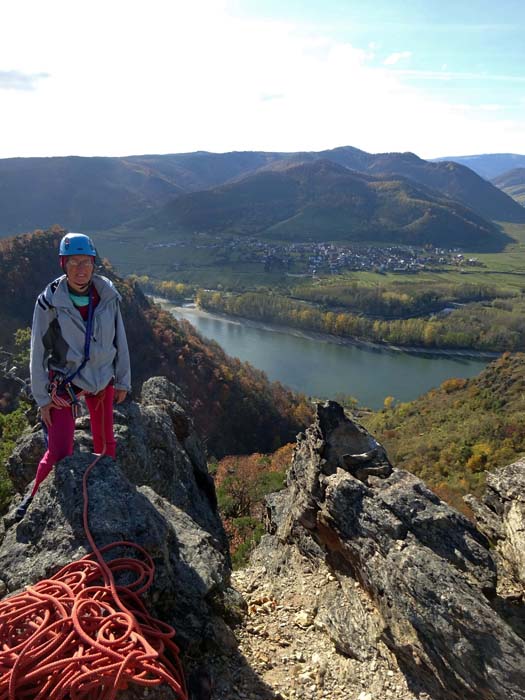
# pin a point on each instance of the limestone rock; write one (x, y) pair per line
(426, 569)
(190, 562)
(157, 446)
(22, 463)
(501, 516)
(158, 494)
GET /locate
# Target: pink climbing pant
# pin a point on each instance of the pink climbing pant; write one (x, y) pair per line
(61, 432)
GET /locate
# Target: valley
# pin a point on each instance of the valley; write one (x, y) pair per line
(402, 295)
(356, 374)
(309, 267)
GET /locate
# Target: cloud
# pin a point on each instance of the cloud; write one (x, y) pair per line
(205, 79)
(266, 97)
(491, 108)
(396, 57)
(16, 80)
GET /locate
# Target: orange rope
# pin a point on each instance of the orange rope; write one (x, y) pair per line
(79, 635)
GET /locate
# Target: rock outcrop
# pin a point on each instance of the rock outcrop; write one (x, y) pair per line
(426, 569)
(500, 515)
(407, 589)
(158, 494)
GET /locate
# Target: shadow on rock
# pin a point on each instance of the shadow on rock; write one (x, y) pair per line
(427, 570)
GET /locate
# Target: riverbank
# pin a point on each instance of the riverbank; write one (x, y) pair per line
(327, 337)
(320, 365)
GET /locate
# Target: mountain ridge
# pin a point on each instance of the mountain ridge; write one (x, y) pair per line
(323, 200)
(487, 165)
(102, 193)
(512, 182)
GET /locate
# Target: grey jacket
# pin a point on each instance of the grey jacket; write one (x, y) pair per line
(58, 337)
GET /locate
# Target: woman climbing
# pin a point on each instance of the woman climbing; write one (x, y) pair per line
(78, 348)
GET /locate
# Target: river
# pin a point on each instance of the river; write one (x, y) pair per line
(320, 367)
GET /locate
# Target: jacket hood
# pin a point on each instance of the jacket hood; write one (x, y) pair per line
(56, 293)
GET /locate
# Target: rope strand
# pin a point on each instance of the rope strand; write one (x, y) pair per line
(79, 635)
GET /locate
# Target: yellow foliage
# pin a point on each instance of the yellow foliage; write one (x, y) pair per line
(480, 454)
(388, 402)
(453, 384)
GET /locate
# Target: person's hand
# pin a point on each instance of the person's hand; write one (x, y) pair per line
(119, 395)
(45, 414)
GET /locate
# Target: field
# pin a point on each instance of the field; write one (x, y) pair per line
(505, 270)
(217, 263)
(201, 261)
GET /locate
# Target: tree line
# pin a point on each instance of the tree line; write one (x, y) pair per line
(394, 301)
(496, 325)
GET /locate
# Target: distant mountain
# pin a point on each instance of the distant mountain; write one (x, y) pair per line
(78, 193)
(97, 194)
(448, 178)
(488, 165)
(513, 184)
(100, 193)
(202, 170)
(321, 200)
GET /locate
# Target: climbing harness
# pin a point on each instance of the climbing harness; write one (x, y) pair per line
(61, 387)
(80, 635)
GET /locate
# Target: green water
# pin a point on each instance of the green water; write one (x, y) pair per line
(321, 368)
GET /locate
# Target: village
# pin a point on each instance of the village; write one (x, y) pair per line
(312, 258)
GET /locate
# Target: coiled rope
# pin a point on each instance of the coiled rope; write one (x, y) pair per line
(79, 635)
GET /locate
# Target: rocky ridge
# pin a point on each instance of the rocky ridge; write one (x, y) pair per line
(500, 515)
(366, 587)
(284, 642)
(159, 494)
(414, 581)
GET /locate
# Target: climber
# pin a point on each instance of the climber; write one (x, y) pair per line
(78, 348)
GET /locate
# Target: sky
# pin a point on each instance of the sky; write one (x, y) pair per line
(122, 77)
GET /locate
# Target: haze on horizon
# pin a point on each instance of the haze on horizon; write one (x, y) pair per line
(438, 78)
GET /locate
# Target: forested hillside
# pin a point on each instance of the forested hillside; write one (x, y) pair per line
(81, 193)
(453, 434)
(450, 178)
(235, 407)
(512, 183)
(324, 201)
(103, 193)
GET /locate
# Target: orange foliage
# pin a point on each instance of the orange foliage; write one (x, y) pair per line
(453, 498)
(453, 384)
(248, 467)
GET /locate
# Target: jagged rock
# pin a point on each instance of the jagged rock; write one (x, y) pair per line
(22, 463)
(152, 495)
(426, 568)
(501, 516)
(190, 562)
(157, 446)
(275, 505)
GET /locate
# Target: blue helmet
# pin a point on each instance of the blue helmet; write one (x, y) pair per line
(77, 244)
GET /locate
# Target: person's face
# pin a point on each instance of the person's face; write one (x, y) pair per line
(79, 269)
